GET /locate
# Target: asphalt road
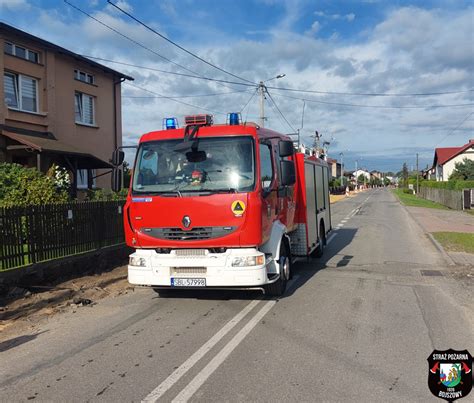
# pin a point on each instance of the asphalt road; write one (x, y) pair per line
(356, 325)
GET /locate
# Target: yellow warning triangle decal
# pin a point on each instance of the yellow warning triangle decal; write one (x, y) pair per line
(238, 207)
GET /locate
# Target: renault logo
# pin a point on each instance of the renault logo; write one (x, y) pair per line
(186, 221)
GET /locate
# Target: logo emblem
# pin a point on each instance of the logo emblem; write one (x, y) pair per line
(238, 208)
(186, 221)
(450, 374)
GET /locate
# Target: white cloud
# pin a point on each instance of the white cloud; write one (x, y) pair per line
(315, 26)
(14, 5)
(348, 17)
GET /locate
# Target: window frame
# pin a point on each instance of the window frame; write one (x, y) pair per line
(267, 190)
(17, 77)
(77, 76)
(81, 109)
(27, 52)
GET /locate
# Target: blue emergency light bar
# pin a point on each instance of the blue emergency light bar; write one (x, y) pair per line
(233, 118)
(170, 123)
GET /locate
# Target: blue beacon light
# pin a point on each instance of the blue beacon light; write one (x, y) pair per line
(170, 123)
(233, 119)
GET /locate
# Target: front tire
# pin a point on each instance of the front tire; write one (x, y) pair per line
(278, 288)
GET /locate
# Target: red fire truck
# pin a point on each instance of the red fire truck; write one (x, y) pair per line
(214, 205)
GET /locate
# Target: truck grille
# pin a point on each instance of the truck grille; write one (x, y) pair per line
(194, 234)
(183, 271)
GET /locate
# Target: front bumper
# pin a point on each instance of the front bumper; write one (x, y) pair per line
(216, 268)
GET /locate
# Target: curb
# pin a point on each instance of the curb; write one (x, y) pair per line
(449, 261)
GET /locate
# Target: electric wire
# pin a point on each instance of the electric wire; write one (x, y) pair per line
(185, 96)
(169, 72)
(374, 106)
(455, 128)
(175, 100)
(195, 75)
(250, 99)
(280, 112)
(175, 44)
(368, 94)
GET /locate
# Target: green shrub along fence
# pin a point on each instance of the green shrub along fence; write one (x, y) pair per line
(35, 234)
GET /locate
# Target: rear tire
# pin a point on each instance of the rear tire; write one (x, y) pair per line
(319, 252)
(278, 288)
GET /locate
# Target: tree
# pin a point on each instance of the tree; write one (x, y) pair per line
(21, 186)
(361, 179)
(404, 175)
(463, 170)
(127, 175)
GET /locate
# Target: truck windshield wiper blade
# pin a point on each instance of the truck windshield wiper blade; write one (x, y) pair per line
(158, 192)
(228, 190)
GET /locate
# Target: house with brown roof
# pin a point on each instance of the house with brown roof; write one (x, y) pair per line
(445, 159)
(58, 107)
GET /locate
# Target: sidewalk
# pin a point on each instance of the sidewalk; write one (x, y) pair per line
(434, 220)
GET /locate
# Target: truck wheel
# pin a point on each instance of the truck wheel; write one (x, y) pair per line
(319, 252)
(278, 288)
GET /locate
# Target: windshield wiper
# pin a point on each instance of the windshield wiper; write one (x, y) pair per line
(160, 193)
(228, 190)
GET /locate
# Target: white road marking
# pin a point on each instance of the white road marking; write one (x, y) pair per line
(161, 389)
(330, 239)
(209, 369)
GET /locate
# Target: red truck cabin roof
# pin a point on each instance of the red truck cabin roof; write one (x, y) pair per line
(215, 130)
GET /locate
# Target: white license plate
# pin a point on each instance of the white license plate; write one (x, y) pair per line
(188, 282)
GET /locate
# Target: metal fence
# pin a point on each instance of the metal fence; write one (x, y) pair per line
(34, 234)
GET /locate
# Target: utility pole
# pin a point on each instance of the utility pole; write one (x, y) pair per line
(342, 168)
(417, 189)
(261, 89)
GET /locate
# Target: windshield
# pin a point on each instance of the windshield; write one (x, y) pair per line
(213, 164)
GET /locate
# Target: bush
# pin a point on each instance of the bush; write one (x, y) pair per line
(105, 195)
(452, 185)
(407, 191)
(21, 186)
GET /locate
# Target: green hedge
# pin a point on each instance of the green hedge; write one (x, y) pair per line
(452, 185)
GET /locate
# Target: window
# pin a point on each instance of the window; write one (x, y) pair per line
(266, 166)
(83, 178)
(84, 77)
(21, 92)
(20, 51)
(84, 108)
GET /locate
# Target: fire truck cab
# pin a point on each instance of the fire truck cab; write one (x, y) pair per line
(226, 206)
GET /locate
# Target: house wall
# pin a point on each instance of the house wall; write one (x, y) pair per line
(450, 166)
(56, 112)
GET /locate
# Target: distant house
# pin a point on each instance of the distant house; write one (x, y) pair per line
(57, 107)
(376, 174)
(334, 168)
(363, 172)
(445, 159)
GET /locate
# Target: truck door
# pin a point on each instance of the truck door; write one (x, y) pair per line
(269, 196)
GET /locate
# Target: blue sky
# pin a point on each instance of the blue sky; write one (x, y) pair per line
(334, 46)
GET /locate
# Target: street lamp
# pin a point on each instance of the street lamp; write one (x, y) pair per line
(262, 89)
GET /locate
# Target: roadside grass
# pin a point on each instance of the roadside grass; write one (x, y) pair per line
(456, 241)
(336, 198)
(415, 201)
(469, 212)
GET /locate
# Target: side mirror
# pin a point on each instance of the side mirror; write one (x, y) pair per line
(286, 148)
(117, 179)
(288, 174)
(117, 157)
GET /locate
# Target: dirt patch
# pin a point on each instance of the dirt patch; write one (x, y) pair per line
(25, 308)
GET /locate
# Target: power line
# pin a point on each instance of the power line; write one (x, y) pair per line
(169, 72)
(371, 94)
(373, 106)
(185, 96)
(175, 100)
(175, 44)
(127, 37)
(280, 112)
(248, 102)
(455, 128)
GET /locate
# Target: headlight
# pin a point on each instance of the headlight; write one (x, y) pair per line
(245, 261)
(137, 261)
